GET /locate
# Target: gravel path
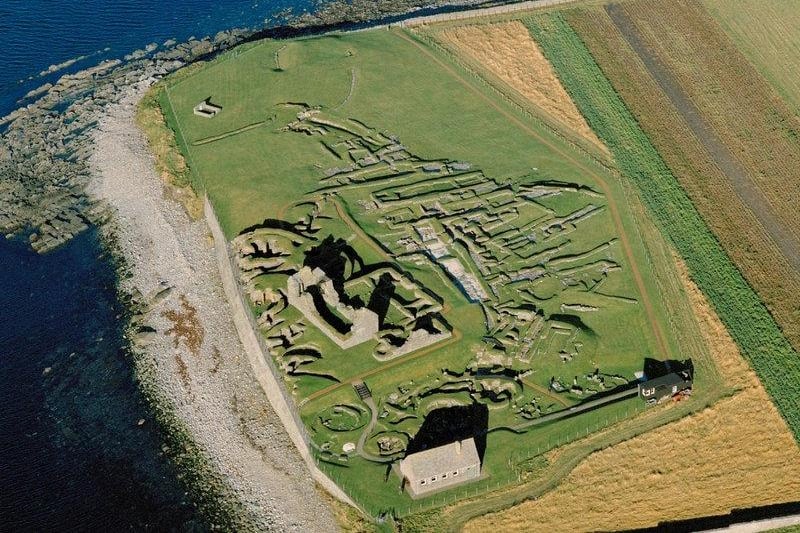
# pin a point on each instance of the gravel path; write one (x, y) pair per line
(746, 187)
(210, 382)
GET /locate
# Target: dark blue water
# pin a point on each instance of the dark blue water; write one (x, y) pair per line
(72, 454)
(35, 34)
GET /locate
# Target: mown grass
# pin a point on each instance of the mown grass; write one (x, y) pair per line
(752, 327)
(259, 173)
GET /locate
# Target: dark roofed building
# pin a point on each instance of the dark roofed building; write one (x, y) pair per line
(659, 389)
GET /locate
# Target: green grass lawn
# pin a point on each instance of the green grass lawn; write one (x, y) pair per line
(386, 81)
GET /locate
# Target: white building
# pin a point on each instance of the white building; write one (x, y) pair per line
(441, 467)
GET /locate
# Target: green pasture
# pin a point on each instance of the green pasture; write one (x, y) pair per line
(252, 171)
(256, 174)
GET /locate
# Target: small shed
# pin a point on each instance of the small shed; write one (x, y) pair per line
(206, 109)
(661, 388)
(441, 467)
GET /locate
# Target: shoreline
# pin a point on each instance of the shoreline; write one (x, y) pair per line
(49, 151)
(187, 350)
(165, 365)
(44, 142)
(65, 149)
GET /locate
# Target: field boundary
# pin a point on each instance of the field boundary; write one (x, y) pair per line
(745, 316)
(514, 98)
(261, 361)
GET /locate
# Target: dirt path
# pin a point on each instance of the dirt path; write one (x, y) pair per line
(364, 434)
(347, 219)
(482, 12)
(606, 190)
(543, 390)
(711, 142)
(572, 411)
(768, 524)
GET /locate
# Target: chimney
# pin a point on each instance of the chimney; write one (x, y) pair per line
(458, 447)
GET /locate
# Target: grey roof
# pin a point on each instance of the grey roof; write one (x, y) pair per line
(442, 459)
(673, 378)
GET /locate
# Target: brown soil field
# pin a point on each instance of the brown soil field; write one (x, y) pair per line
(737, 228)
(508, 52)
(748, 130)
(676, 471)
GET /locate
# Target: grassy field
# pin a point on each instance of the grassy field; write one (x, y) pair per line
(507, 51)
(766, 32)
(736, 227)
(749, 322)
(264, 162)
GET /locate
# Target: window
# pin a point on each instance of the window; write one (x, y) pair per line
(455, 473)
(444, 476)
(433, 479)
(422, 482)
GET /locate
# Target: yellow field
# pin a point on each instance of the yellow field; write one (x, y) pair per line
(738, 453)
(507, 51)
(767, 34)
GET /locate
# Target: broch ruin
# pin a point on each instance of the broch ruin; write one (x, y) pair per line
(501, 243)
(361, 324)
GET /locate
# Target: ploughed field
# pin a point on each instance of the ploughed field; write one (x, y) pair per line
(715, 152)
(688, 462)
(397, 222)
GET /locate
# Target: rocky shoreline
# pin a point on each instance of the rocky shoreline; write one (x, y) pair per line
(189, 359)
(44, 145)
(74, 157)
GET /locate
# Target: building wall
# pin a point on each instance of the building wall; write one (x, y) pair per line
(444, 479)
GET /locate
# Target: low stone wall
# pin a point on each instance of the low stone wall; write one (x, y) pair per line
(480, 12)
(268, 375)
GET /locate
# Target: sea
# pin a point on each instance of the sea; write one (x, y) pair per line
(78, 448)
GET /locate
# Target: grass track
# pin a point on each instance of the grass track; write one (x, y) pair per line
(773, 358)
